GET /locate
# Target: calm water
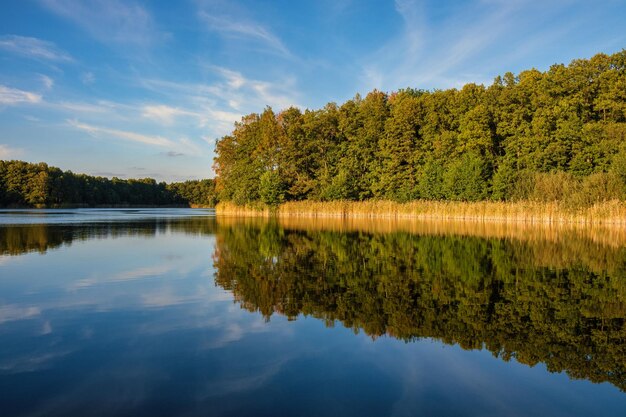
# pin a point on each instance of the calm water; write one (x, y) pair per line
(175, 312)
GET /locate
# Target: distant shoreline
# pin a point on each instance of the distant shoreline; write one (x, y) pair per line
(113, 206)
(605, 213)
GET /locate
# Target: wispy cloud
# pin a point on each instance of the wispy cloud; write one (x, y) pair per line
(237, 27)
(121, 134)
(33, 48)
(87, 78)
(31, 118)
(107, 20)
(165, 114)
(7, 152)
(13, 96)
(441, 47)
(80, 107)
(190, 146)
(178, 147)
(219, 104)
(277, 94)
(47, 82)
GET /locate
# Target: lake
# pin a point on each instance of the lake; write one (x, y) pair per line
(163, 312)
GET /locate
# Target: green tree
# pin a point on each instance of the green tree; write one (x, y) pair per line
(271, 188)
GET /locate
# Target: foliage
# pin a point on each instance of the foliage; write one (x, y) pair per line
(271, 188)
(543, 136)
(23, 184)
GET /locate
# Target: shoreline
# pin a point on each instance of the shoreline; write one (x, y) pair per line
(528, 212)
(103, 206)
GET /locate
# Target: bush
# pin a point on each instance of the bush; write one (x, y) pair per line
(554, 186)
(597, 188)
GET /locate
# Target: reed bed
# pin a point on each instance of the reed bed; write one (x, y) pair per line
(603, 213)
(249, 210)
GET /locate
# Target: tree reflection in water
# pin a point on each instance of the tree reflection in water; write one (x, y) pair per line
(536, 294)
(539, 296)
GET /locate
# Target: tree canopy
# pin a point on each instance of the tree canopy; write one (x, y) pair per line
(553, 135)
(24, 184)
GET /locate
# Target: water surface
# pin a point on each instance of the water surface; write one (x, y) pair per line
(175, 312)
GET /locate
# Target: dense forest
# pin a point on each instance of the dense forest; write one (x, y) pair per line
(558, 135)
(24, 184)
(559, 302)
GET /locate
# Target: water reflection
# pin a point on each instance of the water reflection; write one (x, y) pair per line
(137, 317)
(560, 302)
(23, 238)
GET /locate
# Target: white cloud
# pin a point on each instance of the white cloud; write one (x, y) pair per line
(235, 79)
(257, 93)
(228, 26)
(33, 48)
(218, 105)
(79, 107)
(12, 96)
(191, 147)
(165, 114)
(107, 20)
(204, 113)
(221, 117)
(122, 134)
(469, 42)
(7, 152)
(47, 82)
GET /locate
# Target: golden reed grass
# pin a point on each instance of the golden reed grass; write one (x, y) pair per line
(604, 213)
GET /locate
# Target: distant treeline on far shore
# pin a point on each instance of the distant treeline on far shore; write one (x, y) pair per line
(24, 184)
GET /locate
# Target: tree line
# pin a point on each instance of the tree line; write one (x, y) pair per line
(558, 135)
(24, 184)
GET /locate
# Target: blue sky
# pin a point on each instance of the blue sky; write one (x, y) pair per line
(134, 88)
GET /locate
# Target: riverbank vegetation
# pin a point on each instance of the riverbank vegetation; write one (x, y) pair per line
(24, 184)
(609, 212)
(556, 138)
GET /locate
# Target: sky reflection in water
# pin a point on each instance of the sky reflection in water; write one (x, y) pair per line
(125, 317)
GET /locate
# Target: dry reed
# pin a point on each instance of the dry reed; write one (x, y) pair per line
(604, 213)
